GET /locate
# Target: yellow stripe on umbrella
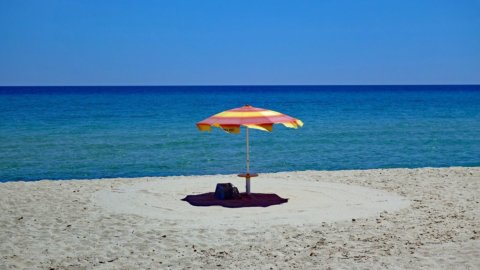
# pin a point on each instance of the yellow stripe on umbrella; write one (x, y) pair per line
(249, 117)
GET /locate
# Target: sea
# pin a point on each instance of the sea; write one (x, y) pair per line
(135, 131)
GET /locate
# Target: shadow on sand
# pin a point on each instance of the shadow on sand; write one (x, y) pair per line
(252, 200)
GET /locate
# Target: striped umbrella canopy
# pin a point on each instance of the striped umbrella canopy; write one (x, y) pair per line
(249, 117)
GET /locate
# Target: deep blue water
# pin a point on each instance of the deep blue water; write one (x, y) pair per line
(94, 132)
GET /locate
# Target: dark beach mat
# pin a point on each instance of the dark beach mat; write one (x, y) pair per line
(252, 200)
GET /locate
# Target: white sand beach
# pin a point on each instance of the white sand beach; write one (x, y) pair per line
(425, 218)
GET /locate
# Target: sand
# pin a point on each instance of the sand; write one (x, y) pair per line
(366, 219)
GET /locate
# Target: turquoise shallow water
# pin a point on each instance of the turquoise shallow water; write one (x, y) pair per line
(94, 132)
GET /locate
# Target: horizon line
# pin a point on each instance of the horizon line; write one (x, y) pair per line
(236, 85)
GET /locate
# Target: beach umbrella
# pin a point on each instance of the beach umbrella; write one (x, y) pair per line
(249, 117)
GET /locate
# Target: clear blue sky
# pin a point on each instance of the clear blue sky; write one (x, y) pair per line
(225, 42)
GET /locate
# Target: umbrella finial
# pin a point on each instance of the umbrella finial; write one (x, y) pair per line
(247, 105)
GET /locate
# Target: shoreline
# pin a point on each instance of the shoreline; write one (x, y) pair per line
(426, 217)
(230, 174)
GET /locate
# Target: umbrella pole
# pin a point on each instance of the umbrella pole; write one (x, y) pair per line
(247, 177)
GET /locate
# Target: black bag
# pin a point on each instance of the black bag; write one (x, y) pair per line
(235, 193)
(226, 191)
